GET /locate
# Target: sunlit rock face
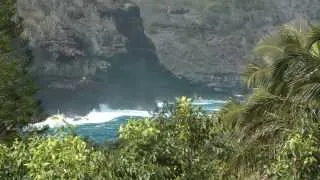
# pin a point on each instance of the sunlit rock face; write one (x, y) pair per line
(71, 43)
(211, 40)
(69, 38)
(128, 53)
(88, 53)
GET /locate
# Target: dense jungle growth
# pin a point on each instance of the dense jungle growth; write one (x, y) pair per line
(273, 134)
(17, 104)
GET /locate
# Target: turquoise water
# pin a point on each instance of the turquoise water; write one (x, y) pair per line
(102, 125)
(102, 132)
(108, 131)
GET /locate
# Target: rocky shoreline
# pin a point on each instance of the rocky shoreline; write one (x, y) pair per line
(122, 46)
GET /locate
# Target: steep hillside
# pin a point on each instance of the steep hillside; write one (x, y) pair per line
(209, 40)
(111, 46)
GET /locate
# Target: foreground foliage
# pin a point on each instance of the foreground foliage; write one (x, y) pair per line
(274, 134)
(17, 104)
(186, 145)
(49, 158)
(288, 83)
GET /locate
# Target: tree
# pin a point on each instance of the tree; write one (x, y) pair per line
(54, 157)
(186, 145)
(17, 104)
(285, 99)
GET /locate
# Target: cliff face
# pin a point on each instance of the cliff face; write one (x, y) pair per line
(210, 40)
(97, 51)
(69, 38)
(91, 53)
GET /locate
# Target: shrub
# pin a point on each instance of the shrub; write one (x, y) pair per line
(53, 157)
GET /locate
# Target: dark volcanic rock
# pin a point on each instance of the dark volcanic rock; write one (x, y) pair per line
(130, 78)
(94, 51)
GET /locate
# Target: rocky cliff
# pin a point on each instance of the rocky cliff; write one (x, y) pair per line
(123, 51)
(210, 40)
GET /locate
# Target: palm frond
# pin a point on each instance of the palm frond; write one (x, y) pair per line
(314, 36)
(230, 114)
(261, 101)
(315, 49)
(297, 64)
(295, 33)
(260, 112)
(270, 47)
(273, 45)
(279, 71)
(287, 94)
(309, 92)
(257, 76)
(265, 122)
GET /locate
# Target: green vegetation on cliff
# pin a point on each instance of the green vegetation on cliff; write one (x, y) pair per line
(17, 104)
(278, 125)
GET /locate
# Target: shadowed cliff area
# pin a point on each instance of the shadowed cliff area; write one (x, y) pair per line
(87, 50)
(92, 51)
(134, 78)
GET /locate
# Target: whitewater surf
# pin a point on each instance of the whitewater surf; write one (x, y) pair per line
(102, 124)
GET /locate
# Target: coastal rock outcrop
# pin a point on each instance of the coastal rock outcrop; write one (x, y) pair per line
(96, 54)
(95, 51)
(211, 41)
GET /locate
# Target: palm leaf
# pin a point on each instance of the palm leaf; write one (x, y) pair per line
(260, 102)
(295, 33)
(270, 47)
(230, 114)
(273, 46)
(257, 76)
(314, 37)
(309, 92)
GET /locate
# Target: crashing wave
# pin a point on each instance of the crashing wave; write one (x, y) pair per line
(104, 114)
(93, 117)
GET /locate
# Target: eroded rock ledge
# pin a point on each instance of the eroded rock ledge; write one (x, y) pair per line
(113, 50)
(97, 53)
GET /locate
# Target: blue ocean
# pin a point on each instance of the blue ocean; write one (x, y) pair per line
(102, 125)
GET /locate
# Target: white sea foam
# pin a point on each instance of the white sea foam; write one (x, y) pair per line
(201, 102)
(208, 102)
(104, 114)
(94, 117)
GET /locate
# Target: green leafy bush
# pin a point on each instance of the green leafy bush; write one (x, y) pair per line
(298, 158)
(18, 106)
(50, 158)
(185, 145)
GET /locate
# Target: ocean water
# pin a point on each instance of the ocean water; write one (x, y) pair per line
(103, 124)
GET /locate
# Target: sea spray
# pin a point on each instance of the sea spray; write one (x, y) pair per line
(102, 124)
